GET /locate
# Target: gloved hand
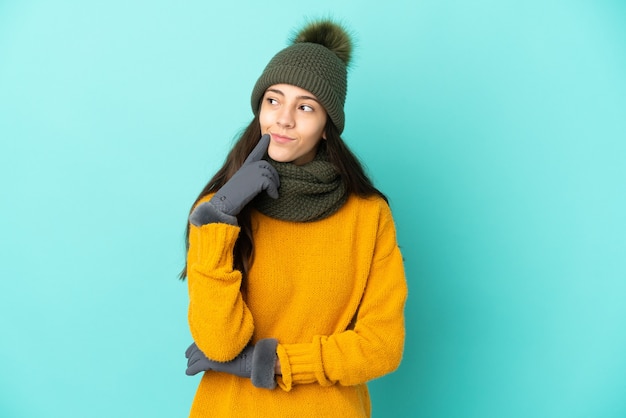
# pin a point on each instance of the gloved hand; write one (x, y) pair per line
(256, 362)
(197, 362)
(254, 176)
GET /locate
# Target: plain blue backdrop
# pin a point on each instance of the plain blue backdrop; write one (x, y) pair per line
(496, 128)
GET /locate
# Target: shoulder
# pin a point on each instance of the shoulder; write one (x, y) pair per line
(374, 219)
(371, 210)
(370, 204)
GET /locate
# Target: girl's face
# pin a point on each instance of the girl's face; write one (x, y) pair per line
(295, 120)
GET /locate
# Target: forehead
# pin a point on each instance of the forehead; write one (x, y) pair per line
(291, 90)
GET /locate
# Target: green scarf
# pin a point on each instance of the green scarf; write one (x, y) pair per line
(307, 193)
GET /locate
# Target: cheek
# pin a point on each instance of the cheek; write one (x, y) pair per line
(263, 120)
(321, 130)
(263, 125)
(322, 126)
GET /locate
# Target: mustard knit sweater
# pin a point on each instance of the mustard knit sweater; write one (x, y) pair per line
(332, 293)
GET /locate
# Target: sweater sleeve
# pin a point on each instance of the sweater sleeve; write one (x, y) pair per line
(374, 346)
(219, 320)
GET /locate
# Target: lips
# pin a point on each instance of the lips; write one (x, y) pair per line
(281, 139)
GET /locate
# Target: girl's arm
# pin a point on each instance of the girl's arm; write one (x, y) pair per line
(219, 320)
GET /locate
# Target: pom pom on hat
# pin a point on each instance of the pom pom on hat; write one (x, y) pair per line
(317, 61)
(328, 34)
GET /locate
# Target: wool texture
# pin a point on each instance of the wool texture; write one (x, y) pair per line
(331, 292)
(307, 193)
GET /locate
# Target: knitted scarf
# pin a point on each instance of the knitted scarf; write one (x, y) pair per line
(307, 193)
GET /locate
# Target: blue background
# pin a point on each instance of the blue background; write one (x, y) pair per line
(497, 129)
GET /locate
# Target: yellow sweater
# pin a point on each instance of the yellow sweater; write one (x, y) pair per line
(332, 293)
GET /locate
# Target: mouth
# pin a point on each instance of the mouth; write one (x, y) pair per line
(281, 138)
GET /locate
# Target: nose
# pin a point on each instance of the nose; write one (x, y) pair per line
(285, 118)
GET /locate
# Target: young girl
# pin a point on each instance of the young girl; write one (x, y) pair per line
(296, 282)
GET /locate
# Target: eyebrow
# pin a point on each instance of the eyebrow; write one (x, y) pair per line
(297, 97)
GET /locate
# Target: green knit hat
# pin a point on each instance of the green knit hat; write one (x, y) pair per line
(317, 61)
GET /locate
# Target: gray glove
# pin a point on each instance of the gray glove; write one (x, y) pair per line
(197, 362)
(256, 362)
(254, 176)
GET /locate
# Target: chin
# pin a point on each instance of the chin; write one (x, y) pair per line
(279, 157)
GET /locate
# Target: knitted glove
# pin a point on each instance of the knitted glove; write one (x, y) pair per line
(254, 176)
(256, 362)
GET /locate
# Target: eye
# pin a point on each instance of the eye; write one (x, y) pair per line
(271, 101)
(307, 108)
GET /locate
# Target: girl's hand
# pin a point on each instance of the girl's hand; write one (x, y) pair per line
(255, 176)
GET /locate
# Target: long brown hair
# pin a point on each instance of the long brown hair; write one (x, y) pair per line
(348, 165)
